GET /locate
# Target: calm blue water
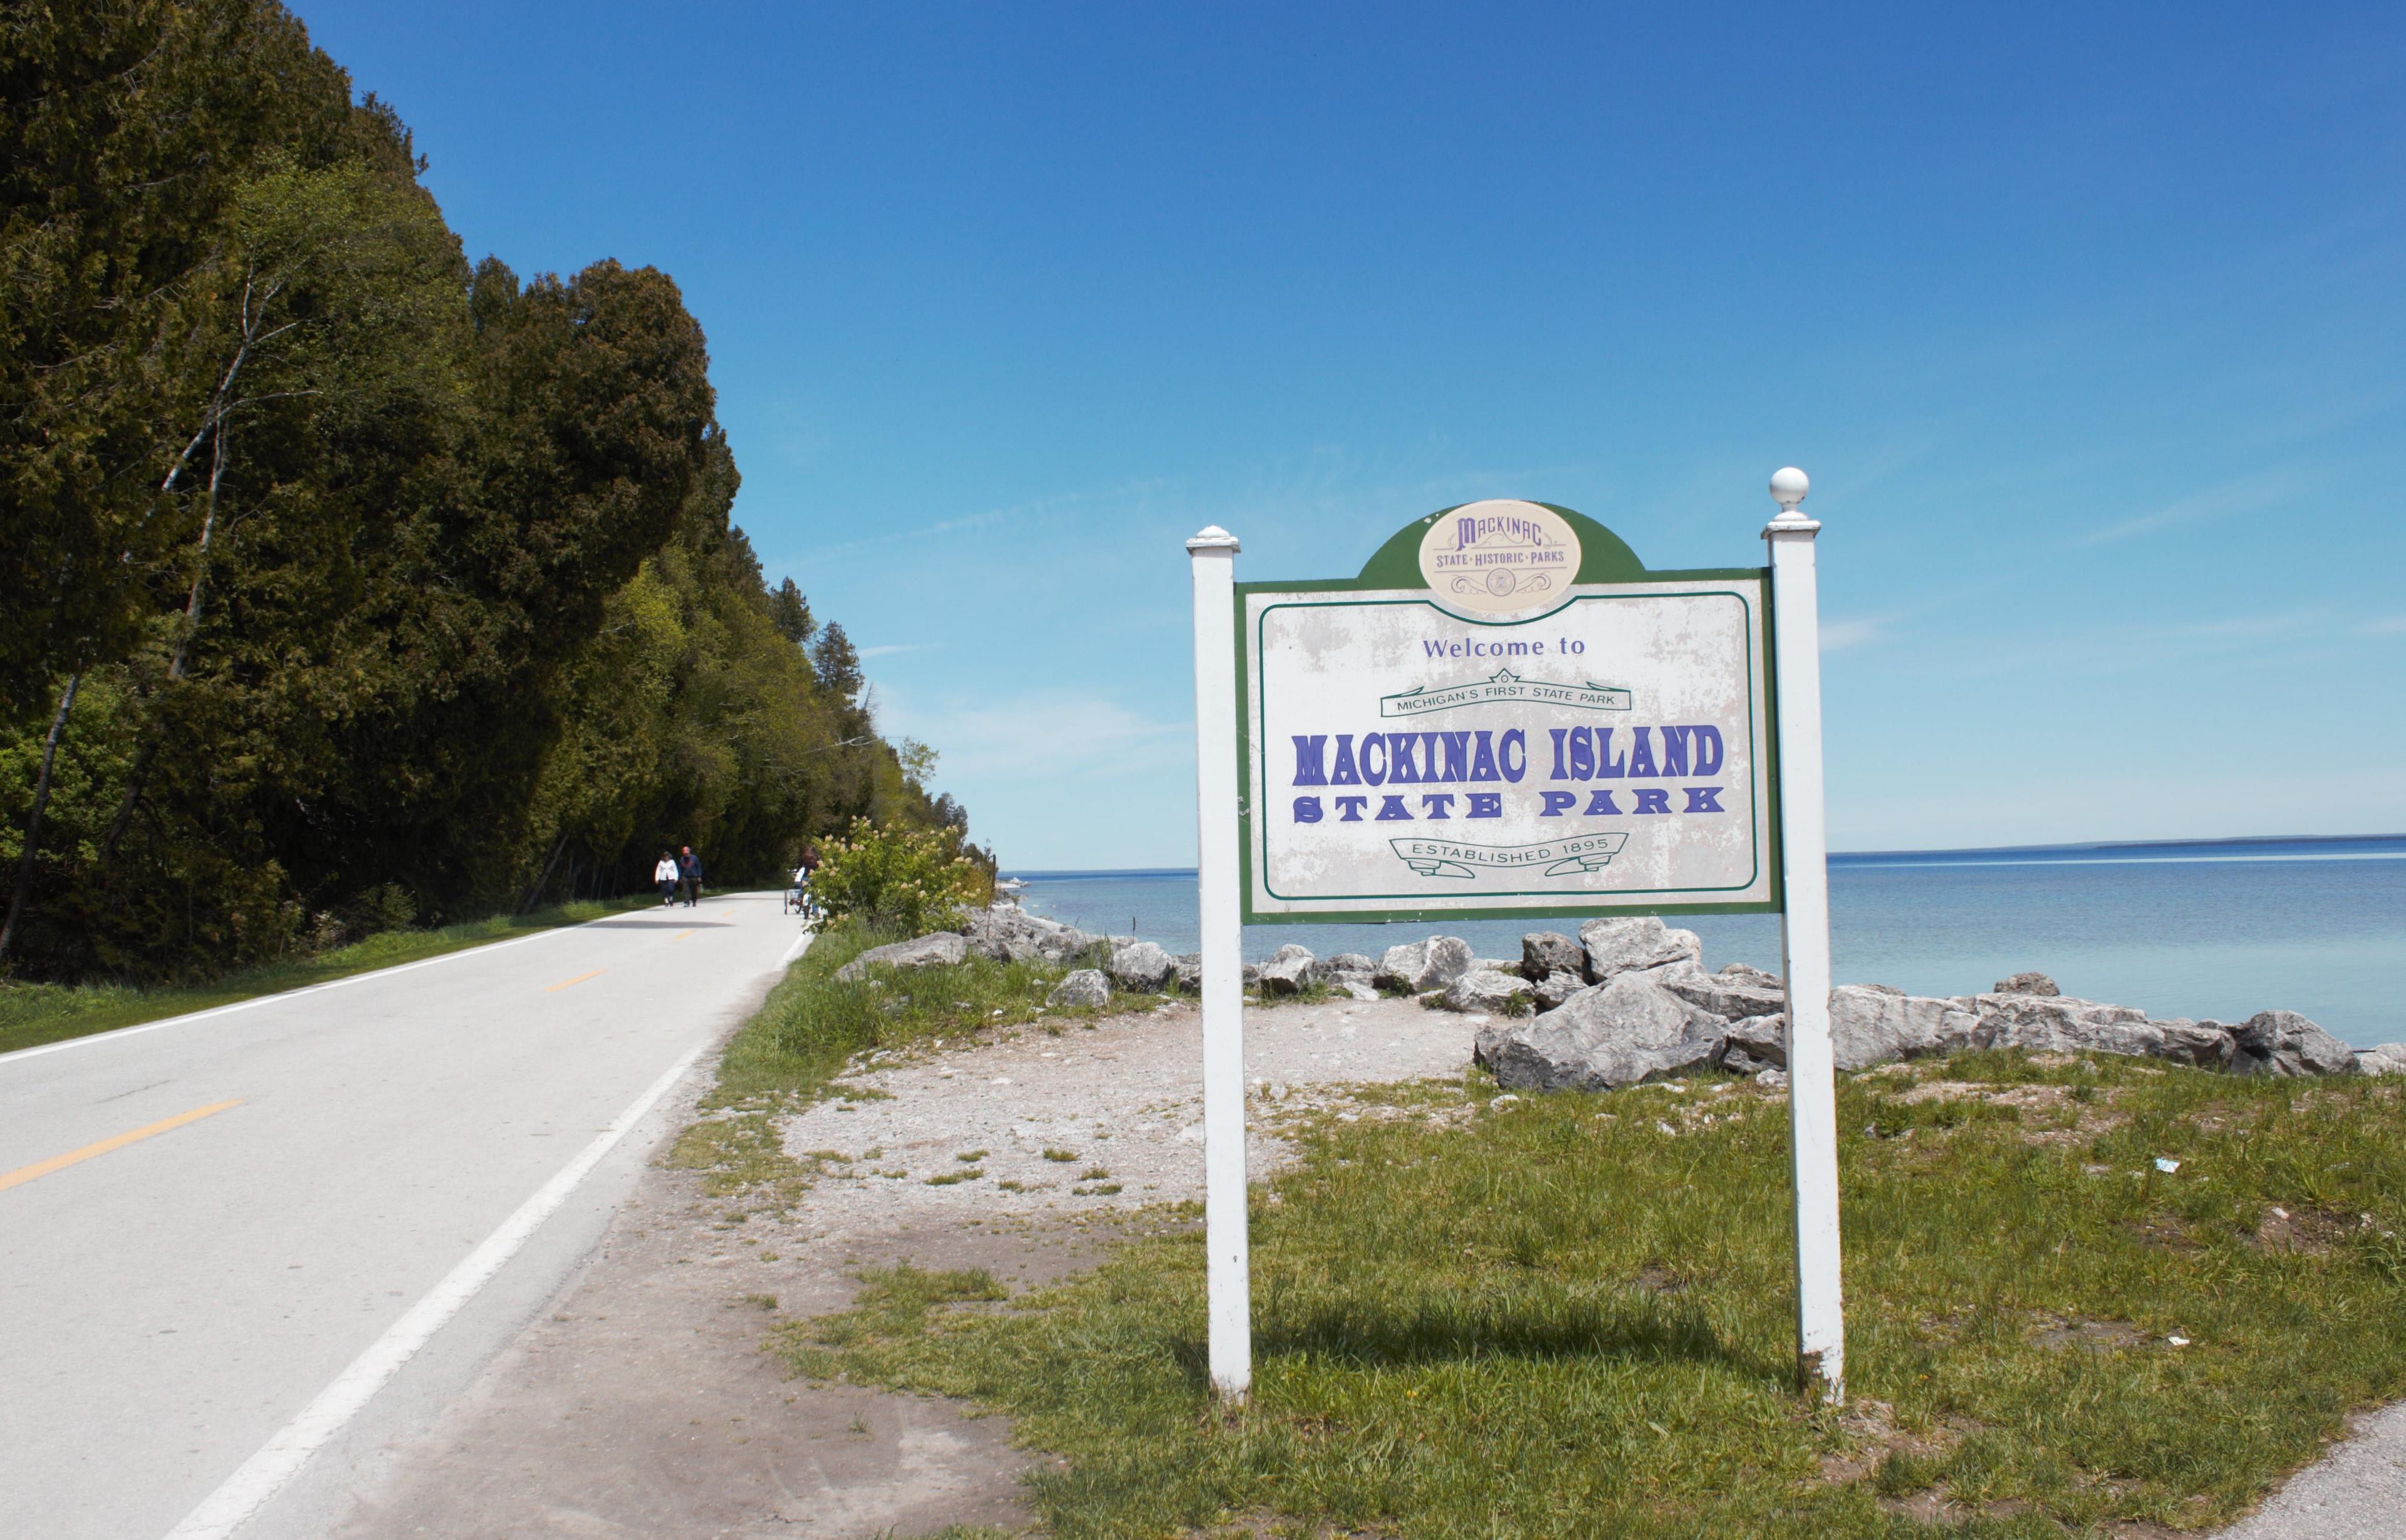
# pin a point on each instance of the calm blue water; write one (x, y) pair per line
(2219, 929)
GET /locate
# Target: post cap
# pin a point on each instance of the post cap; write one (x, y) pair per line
(1788, 486)
(1211, 538)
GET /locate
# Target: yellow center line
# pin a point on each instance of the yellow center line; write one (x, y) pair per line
(578, 980)
(728, 915)
(680, 935)
(24, 1174)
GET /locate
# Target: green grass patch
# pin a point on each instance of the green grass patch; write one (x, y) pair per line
(1573, 1317)
(32, 1014)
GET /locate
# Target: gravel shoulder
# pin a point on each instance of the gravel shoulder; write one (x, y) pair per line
(640, 1403)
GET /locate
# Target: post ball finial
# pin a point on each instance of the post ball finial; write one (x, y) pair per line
(1788, 486)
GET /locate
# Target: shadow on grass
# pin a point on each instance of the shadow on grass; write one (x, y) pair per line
(1370, 1335)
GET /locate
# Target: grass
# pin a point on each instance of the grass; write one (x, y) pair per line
(32, 1014)
(1570, 1316)
(815, 1026)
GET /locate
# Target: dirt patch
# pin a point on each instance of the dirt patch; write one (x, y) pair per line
(2096, 1336)
(2304, 1232)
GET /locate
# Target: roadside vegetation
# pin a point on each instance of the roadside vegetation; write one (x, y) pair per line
(815, 1026)
(343, 562)
(36, 1013)
(2090, 1297)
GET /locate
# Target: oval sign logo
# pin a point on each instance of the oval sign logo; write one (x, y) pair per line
(1500, 560)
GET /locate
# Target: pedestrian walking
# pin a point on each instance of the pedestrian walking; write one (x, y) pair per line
(689, 869)
(665, 877)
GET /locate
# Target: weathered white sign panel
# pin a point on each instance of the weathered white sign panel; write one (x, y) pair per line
(1418, 753)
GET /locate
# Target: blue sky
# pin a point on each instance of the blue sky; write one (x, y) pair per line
(2086, 320)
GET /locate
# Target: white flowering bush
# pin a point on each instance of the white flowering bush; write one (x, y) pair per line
(914, 880)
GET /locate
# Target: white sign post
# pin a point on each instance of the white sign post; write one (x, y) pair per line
(1506, 714)
(1212, 555)
(1805, 941)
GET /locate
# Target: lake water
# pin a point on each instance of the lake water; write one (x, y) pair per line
(2219, 929)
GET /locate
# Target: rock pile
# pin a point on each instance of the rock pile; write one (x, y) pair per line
(1640, 1006)
(1628, 1000)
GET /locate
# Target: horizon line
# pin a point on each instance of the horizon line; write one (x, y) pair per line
(2074, 848)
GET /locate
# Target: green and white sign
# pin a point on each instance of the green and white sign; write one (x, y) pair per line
(1506, 714)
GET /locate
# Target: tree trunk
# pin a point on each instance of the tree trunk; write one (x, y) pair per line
(526, 905)
(179, 662)
(41, 805)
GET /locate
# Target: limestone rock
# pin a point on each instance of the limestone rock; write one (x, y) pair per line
(1756, 1044)
(2387, 1059)
(1544, 951)
(944, 946)
(1487, 989)
(1617, 945)
(1422, 966)
(2065, 1024)
(1869, 1025)
(1006, 933)
(1621, 1033)
(1555, 988)
(1730, 996)
(1347, 963)
(1746, 973)
(2282, 1042)
(1142, 966)
(1190, 973)
(1086, 986)
(1352, 988)
(1290, 970)
(2026, 984)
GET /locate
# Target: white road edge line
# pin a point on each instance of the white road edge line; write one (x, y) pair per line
(264, 1473)
(485, 951)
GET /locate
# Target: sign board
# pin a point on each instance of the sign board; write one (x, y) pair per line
(1506, 714)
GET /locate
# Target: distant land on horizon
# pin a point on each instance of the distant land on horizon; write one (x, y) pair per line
(2244, 846)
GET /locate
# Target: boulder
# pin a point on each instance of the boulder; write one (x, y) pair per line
(1544, 951)
(1142, 966)
(1756, 1044)
(2065, 1024)
(1190, 973)
(1290, 970)
(2387, 1059)
(1555, 988)
(1352, 988)
(1870, 1026)
(1422, 966)
(1730, 996)
(1621, 1033)
(2205, 1045)
(1616, 946)
(2026, 984)
(2282, 1042)
(1086, 986)
(945, 946)
(1747, 973)
(1486, 989)
(1006, 933)
(1345, 964)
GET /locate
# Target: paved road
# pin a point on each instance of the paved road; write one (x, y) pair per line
(420, 1155)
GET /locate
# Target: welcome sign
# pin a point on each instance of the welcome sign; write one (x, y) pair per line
(1506, 714)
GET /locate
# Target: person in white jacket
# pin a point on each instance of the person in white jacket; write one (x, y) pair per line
(665, 877)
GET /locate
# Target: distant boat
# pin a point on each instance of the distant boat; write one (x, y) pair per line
(1009, 885)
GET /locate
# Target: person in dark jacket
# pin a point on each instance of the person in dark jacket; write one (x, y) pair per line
(689, 867)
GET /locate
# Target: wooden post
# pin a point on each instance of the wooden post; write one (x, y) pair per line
(1229, 1286)
(1812, 1070)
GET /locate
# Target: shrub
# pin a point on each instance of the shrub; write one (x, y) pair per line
(915, 879)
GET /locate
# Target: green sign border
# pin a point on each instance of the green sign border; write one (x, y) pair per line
(1604, 557)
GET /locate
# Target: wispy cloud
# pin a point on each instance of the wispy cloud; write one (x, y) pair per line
(889, 649)
(2394, 624)
(1054, 736)
(2251, 626)
(1855, 631)
(2248, 494)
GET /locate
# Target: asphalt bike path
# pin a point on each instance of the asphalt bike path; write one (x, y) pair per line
(246, 1252)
